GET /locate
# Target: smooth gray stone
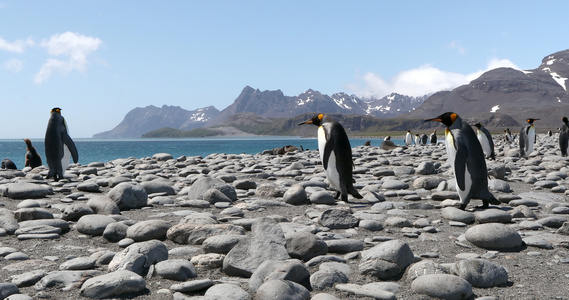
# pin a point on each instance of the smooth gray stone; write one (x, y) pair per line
(562, 210)
(398, 222)
(425, 168)
(88, 186)
(214, 196)
(266, 241)
(480, 272)
(442, 286)
(344, 245)
(185, 252)
(35, 213)
(138, 257)
(148, 230)
(341, 267)
(40, 236)
(564, 229)
(553, 221)
(93, 224)
(499, 185)
(227, 291)
(493, 216)
(427, 182)
(26, 190)
(394, 184)
(525, 202)
(371, 225)
(522, 211)
(113, 284)
(192, 286)
(75, 211)
(162, 156)
(424, 267)
(323, 279)
(159, 186)
(338, 219)
(115, 232)
(40, 229)
(7, 221)
(128, 195)
(28, 278)
(7, 289)
(245, 184)
(493, 236)
(546, 183)
(221, 243)
(65, 280)
(296, 195)
(103, 257)
(176, 269)
(458, 215)
(200, 186)
(443, 195)
(269, 190)
(530, 225)
(196, 234)
(322, 197)
(292, 270)
(78, 263)
(278, 289)
(17, 256)
(359, 290)
(305, 246)
(103, 205)
(387, 259)
(324, 258)
(538, 242)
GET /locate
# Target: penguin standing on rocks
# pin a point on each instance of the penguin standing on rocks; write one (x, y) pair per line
(486, 141)
(527, 138)
(408, 138)
(434, 137)
(33, 159)
(336, 155)
(424, 139)
(417, 139)
(508, 135)
(467, 161)
(564, 136)
(59, 147)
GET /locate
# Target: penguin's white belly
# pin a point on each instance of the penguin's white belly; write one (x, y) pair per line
(451, 152)
(530, 141)
(484, 143)
(331, 170)
(66, 159)
(408, 140)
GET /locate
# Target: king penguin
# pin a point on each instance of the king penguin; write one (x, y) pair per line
(467, 161)
(527, 138)
(59, 146)
(408, 138)
(434, 137)
(33, 159)
(417, 139)
(486, 141)
(508, 135)
(564, 136)
(336, 155)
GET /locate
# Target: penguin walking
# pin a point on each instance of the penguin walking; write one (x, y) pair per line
(336, 155)
(434, 138)
(408, 138)
(59, 147)
(33, 159)
(508, 135)
(527, 138)
(8, 164)
(467, 160)
(564, 136)
(486, 141)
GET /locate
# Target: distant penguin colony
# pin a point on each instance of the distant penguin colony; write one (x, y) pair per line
(527, 138)
(408, 138)
(486, 141)
(33, 159)
(467, 160)
(564, 136)
(336, 155)
(59, 147)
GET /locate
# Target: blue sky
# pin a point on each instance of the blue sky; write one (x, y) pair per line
(97, 60)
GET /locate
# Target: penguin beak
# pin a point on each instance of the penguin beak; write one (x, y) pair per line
(305, 122)
(437, 119)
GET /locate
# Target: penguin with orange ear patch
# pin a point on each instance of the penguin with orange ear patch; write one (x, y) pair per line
(336, 155)
(467, 160)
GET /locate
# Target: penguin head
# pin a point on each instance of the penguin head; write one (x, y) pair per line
(56, 110)
(316, 120)
(565, 120)
(530, 121)
(478, 125)
(447, 118)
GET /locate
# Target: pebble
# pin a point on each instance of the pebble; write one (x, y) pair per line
(272, 222)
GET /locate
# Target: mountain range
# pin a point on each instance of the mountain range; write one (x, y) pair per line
(499, 98)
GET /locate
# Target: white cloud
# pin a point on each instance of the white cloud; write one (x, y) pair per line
(75, 47)
(18, 46)
(457, 46)
(419, 81)
(14, 65)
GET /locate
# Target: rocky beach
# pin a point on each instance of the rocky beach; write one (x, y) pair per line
(264, 226)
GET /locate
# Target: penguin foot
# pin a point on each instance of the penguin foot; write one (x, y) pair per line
(462, 206)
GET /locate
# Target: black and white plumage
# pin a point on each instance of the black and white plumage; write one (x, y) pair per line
(485, 139)
(467, 161)
(336, 155)
(408, 138)
(59, 147)
(564, 136)
(424, 139)
(527, 138)
(434, 137)
(508, 135)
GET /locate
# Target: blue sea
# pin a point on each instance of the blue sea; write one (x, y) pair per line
(105, 150)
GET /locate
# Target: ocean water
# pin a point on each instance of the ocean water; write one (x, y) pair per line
(104, 150)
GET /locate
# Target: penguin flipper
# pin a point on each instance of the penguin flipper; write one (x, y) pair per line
(327, 151)
(71, 146)
(460, 167)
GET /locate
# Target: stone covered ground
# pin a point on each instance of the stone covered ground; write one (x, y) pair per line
(236, 226)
